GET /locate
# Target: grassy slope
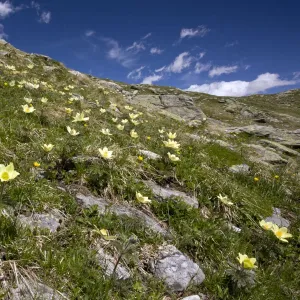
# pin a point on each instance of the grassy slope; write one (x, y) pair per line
(66, 260)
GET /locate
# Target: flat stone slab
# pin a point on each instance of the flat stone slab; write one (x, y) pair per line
(29, 290)
(108, 262)
(165, 193)
(150, 155)
(121, 210)
(176, 269)
(241, 169)
(50, 221)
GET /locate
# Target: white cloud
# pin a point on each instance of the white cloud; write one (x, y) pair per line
(35, 5)
(217, 71)
(89, 33)
(45, 17)
(201, 31)
(6, 8)
(146, 36)
(199, 67)
(136, 74)
(136, 47)
(296, 75)
(125, 58)
(239, 88)
(160, 69)
(181, 62)
(156, 50)
(201, 54)
(232, 44)
(151, 79)
(3, 35)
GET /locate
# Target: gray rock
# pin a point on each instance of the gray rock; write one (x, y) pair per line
(50, 221)
(150, 154)
(193, 297)
(107, 262)
(109, 85)
(281, 148)
(277, 219)
(176, 270)
(257, 130)
(165, 193)
(224, 144)
(49, 68)
(29, 290)
(242, 169)
(265, 155)
(4, 53)
(120, 210)
(3, 42)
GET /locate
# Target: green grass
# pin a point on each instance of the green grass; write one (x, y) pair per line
(66, 260)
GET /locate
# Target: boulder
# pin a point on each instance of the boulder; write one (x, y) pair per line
(241, 169)
(277, 219)
(150, 155)
(175, 269)
(166, 193)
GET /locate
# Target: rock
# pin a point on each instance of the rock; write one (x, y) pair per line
(86, 159)
(291, 143)
(224, 144)
(195, 297)
(260, 120)
(279, 147)
(77, 97)
(49, 68)
(110, 85)
(194, 136)
(277, 219)
(257, 130)
(242, 169)
(50, 221)
(150, 155)
(79, 74)
(4, 53)
(165, 193)
(120, 210)
(107, 262)
(3, 42)
(179, 107)
(28, 290)
(222, 100)
(265, 155)
(176, 269)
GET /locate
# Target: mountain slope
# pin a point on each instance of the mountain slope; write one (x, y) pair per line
(76, 222)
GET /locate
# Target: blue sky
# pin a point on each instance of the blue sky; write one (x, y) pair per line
(218, 47)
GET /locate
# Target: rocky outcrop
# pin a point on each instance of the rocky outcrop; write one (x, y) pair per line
(121, 210)
(175, 269)
(166, 193)
(177, 106)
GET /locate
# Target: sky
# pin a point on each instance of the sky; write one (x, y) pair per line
(224, 48)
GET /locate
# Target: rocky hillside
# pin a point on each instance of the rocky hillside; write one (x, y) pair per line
(115, 191)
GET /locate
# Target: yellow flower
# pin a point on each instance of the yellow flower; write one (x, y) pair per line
(66, 88)
(68, 110)
(120, 127)
(71, 87)
(171, 135)
(44, 100)
(62, 93)
(106, 131)
(105, 153)
(141, 198)
(80, 118)
(133, 134)
(5, 83)
(8, 172)
(276, 176)
(102, 110)
(128, 107)
(266, 225)
(113, 106)
(11, 68)
(36, 164)
(114, 120)
(256, 179)
(171, 144)
(30, 66)
(148, 138)
(224, 199)
(28, 109)
(173, 157)
(72, 131)
(161, 131)
(12, 83)
(133, 116)
(281, 233)
(124, 121)
(47, 147)
(104, 232)
(28, 100)
(140, 158)
(135, 122)
(30, 85)
(246, 262)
